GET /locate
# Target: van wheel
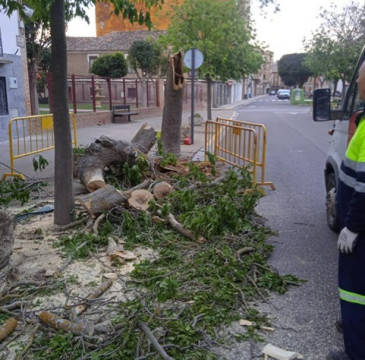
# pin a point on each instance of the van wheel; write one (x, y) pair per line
(332, 217)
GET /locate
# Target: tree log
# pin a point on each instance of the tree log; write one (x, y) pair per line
(107, 197)
(106, 151)
(6, 242)
(58, 323)
(102, 199)
(8, 328)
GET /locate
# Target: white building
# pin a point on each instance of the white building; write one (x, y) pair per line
(14, 84)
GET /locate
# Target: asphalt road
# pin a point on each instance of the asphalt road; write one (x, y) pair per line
(296, 151)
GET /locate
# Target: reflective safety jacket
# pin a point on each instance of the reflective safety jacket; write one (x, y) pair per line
(351, 188)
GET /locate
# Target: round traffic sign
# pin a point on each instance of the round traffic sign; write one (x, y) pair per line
(188, 59)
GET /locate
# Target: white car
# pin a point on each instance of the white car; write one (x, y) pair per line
(283, 94)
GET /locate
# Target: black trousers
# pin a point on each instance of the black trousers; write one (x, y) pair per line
(351, 273)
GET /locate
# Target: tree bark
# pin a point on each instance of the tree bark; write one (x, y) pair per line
(6, 242)
(63, 180)
(143, 91)
(172, 111)
(209, 99)
(33, 70)
(102, 199)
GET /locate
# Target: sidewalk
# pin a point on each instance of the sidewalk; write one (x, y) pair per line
(126, 131)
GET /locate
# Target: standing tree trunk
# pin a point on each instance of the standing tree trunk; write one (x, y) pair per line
(143, 91)
(209, 98)
(172, 111)
(33, 69)
(6, 243)
(64, 197)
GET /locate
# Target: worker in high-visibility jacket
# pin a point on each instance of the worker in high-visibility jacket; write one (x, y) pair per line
(350, 203)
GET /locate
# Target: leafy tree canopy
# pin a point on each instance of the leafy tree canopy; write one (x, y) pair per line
(292, 69)
(335, 46)
(77, 8)
(145, 55)
(113, 65)
(219, 31)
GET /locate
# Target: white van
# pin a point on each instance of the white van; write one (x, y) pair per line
(341, 133)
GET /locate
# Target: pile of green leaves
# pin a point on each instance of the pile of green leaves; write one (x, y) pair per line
(15, 189)
(193, 289)
(125, 176)
(74, 247)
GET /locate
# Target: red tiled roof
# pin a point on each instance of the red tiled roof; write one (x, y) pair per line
(114, 41)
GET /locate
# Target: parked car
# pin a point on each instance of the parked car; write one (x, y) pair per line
(283, 94)
(337, 94)
(272, 92)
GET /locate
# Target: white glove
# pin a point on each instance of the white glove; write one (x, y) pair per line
(346, 241)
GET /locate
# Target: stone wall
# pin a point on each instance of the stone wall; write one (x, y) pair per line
(105, 117)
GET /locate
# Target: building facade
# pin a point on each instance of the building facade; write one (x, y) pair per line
(82, 51)
(14, 86)
(106, 23)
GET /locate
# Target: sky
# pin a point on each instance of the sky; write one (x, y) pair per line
(283, 32)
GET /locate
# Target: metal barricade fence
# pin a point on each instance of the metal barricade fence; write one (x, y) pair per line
(31, 135)
(240, 144)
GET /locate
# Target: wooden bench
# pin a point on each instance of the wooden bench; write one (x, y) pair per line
(123, 110)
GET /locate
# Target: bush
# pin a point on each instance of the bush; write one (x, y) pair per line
(113, 65)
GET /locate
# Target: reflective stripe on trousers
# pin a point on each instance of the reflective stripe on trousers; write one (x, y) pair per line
(352, 297)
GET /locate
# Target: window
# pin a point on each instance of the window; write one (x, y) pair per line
(91, 59)
(354, 102)
(3, 98)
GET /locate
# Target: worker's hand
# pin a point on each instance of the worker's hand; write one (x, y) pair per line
(346, 241)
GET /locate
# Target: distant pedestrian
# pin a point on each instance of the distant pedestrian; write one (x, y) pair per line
(350, 202)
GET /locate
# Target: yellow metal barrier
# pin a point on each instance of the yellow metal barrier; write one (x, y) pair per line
(239, 143)
(31, 135)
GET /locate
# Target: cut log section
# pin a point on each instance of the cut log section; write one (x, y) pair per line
(106, 151)
(161, 190)
(139, 199)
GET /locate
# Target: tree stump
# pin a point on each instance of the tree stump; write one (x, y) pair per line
(7, 226)
(172, 111)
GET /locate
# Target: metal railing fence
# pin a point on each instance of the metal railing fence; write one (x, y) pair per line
(30, 135)
(239, 143)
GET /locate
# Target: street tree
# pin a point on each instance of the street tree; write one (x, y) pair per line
(334, 47)
(38, 41)
(110, 65)
(292, 69)
(55, 13)
(144, 58)
(221, 33)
